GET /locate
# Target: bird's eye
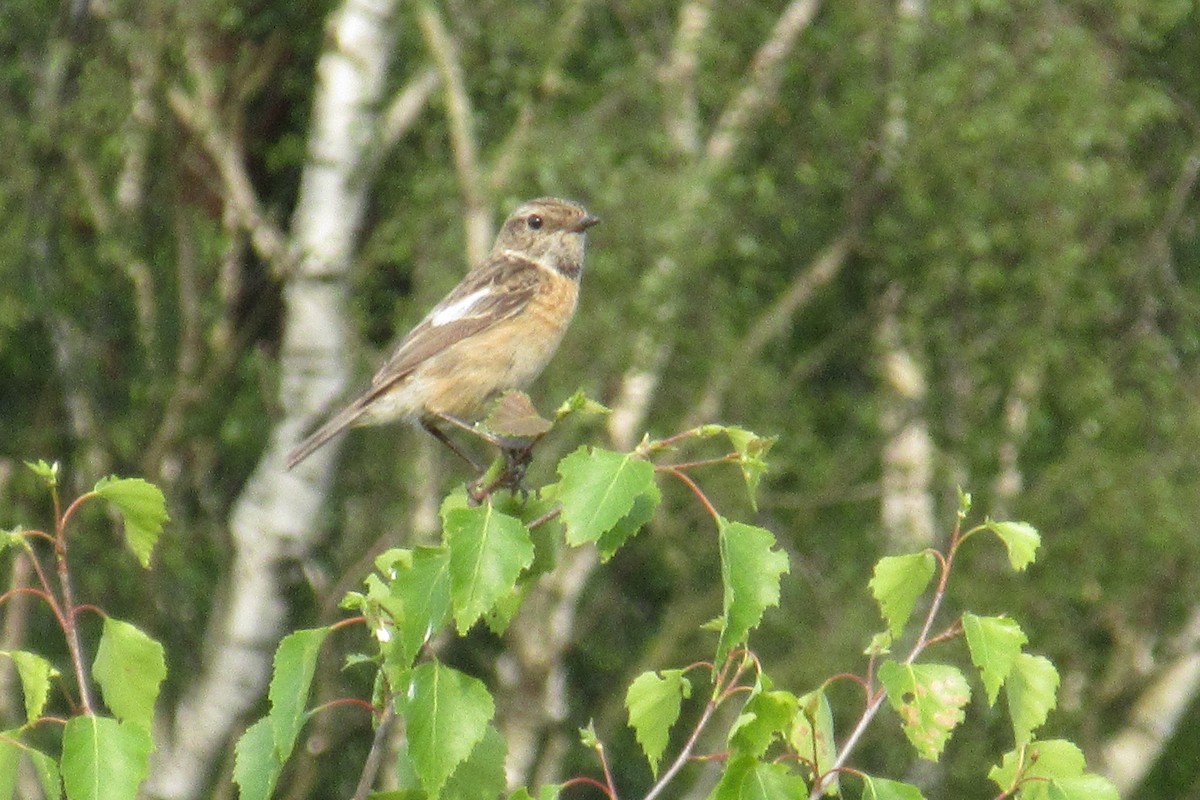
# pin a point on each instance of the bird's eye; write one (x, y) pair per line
(535, 221)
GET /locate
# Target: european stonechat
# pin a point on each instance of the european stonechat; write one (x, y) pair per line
(495, 331)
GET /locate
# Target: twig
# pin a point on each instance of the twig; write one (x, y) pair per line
(762, 84)
(462, 134)
(375, 756)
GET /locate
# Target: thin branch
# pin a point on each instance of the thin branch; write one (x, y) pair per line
(404, 109)
(375, 756)
(678, 77)
(198, 112)
(462, 133)
(762, 83)
(566, 34)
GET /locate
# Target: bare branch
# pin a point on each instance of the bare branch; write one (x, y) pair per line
(402, 113)
(199, 113)
(550, 83)
(762, 83)
(678, 77)
(462, 134)
(773, 322)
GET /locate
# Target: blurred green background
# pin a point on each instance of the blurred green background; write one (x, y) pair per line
(949, 243)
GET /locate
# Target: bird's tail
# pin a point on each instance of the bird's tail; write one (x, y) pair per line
(342, 420)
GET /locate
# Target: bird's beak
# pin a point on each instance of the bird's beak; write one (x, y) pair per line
(585, 223)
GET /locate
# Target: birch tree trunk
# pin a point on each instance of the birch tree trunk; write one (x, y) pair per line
(273, 520)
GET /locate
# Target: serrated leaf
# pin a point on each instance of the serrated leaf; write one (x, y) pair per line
(10, 755)
(1038, 761)
(47, 772)
(588, 737)
(548, 791)
(752, 451)
(929, 699)
(1031, 690)
(1020, 538)
(750, 573)
(481, 776)
(598, 489)
(812, 736)
(130, 669)
(746, 778)
(653, 701)
(421, 591)
(294, 666)
(580, 403)
(103, 759)
(143, 508)
(256, 766)
(768, 715)
(488, 550)
(882, 789)
(897, 583)
(1084, 787)
(514, 415)
(644, 506)
(35, 673)
(994, 643)
(448, 714)
(47, 472)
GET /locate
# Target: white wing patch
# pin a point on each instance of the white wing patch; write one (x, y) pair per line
(459, 308)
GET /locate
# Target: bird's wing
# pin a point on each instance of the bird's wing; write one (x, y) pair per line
(496, 291)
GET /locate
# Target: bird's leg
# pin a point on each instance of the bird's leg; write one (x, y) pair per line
(441, 436)
(517, 451)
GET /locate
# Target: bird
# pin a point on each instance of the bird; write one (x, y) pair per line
(495, 331)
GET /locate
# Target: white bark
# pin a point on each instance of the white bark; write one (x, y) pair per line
(1129, 755)
(906, 505)
(273, 521)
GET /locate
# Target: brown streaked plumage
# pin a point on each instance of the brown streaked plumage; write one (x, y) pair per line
(495, 331)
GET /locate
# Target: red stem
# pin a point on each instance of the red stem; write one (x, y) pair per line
(66, 616)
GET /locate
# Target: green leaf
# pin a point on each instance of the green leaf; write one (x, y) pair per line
(1031, 690)
(488, 550)
(1020, 538)
(768, 715)
(1038, 761)
(812, 735)
(144, 509)
(1084, 787)
(746, 778)
(929, 699)
(422, 590)
(995, 643)
(10, 755)
(881, 789)
(11, 750)
(257, 766)
(598, 489)
(295, 663)
(130, 669)
(35, 673)
(750, 573)
(47, 472)
(103, 759)
(897, 583)
(644, 506)
(481, 776)
(580, 403)
(653, 701)
(448, 714)
(47, 772)
(548, 791)
(752, 451)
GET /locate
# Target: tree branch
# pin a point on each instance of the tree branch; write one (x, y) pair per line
(462, 134)
(762, 83)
